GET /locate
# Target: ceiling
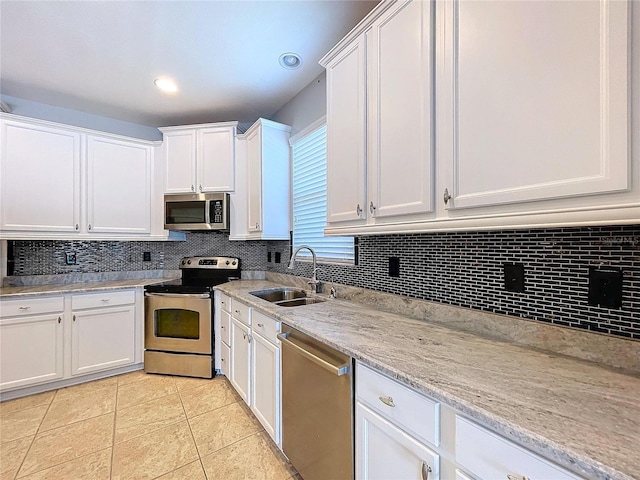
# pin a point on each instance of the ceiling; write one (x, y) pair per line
(101, 57)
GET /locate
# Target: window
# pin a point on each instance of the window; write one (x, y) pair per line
(310, 198)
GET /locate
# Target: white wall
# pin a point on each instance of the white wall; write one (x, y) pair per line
(306, 107)
(28, 108)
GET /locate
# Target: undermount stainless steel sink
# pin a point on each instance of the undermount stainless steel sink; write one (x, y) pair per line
(286, 297)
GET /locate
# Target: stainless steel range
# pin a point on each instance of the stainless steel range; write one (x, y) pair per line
(179, 318)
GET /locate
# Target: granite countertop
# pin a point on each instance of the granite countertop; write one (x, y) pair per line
(27, 290)
(580, 415)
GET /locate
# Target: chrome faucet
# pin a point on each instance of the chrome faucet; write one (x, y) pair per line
(314, 282)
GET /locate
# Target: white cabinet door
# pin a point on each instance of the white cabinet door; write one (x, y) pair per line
(102, 338)
(180, 161)
(385, 452)
(39, 178)
(400, 154)
(31, 350)
(265, 390)
(254, 180)
(539, 113)
(240, 359)
(346, 135)
(216, 159)
(118, 186)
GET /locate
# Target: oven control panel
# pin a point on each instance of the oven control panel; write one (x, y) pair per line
(226, 263)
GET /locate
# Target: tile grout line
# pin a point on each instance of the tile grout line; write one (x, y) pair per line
(191, 431)
(35, 435)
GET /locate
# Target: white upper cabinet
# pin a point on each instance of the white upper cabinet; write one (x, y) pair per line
(39, 178)
(484, 115)
(65, 182)
(200, 158)
(123, 167)
(346, 135)
(261, 206)
(540, 100)
(379, 118)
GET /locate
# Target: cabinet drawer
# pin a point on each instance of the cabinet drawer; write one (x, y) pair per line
(406, 408)
(31, 306)
(265, 326)
(225, 302)
(103, 299)
(487, 455)
(225, 327)
(241, 312)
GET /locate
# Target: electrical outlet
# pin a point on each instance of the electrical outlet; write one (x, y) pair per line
(146, 256)
(278, 259)
(269, 257)
(70, 258)
(394, 266)
(605, 287)
(513, 277)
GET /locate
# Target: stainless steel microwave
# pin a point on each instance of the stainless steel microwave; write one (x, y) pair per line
(196, 211)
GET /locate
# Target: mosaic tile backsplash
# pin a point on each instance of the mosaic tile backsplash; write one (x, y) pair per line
(461, 268)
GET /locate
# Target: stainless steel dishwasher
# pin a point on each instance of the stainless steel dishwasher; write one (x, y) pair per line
(317, 407)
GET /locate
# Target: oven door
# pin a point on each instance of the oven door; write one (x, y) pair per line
(177, 322)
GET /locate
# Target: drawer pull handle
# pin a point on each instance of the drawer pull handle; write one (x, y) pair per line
(24, 308)
(261, 325)
(59, 319)
(516, 477)
(388, 401)
(425, 471)
(74, 318)
(105, 300)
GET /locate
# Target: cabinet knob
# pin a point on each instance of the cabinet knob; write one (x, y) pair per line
(193, 188)
(388, 401)
(372, 208)
(200, 187)
(77, 226)
(89, 226)
(74, 318)
(446, 196)
(510, 476)
(24, 308)
(425, 471)
(257, 226)
(358, 210)
(261, 325)
(59, 319)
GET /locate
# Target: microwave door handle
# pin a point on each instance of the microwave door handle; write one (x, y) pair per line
(177, 295)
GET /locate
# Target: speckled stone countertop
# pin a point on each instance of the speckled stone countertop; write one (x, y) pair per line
(580, 415)
(28, 290)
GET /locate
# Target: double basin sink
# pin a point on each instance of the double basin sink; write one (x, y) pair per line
(286, 297)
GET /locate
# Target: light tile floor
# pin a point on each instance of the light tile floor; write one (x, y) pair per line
(137, 426)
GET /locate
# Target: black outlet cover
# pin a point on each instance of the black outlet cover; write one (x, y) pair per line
(278, 259)
(146, 256)
(269, 257)
(513, 277)
(394, 266)
(605, 287)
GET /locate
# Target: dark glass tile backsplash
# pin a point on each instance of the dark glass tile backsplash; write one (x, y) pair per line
(463, 269)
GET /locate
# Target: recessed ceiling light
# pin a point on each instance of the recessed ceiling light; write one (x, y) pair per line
(166, 84)
(290, 61)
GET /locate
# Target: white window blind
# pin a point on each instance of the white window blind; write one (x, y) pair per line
(310, 199)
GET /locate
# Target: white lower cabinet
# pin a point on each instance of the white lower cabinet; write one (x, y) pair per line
(240, 359)
(250, 358)
(385, 452)
(265, 373)
(486, 455)
(31, 342)
(397, 430)
(102, 332)
(46, 339)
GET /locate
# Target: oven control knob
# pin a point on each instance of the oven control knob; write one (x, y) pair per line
(233, 263)
(183, 262)
(227, 262)
(188, 262)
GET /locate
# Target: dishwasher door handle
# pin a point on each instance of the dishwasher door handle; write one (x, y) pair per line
(337, 370)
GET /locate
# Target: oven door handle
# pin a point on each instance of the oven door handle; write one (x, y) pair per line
(177, 295)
